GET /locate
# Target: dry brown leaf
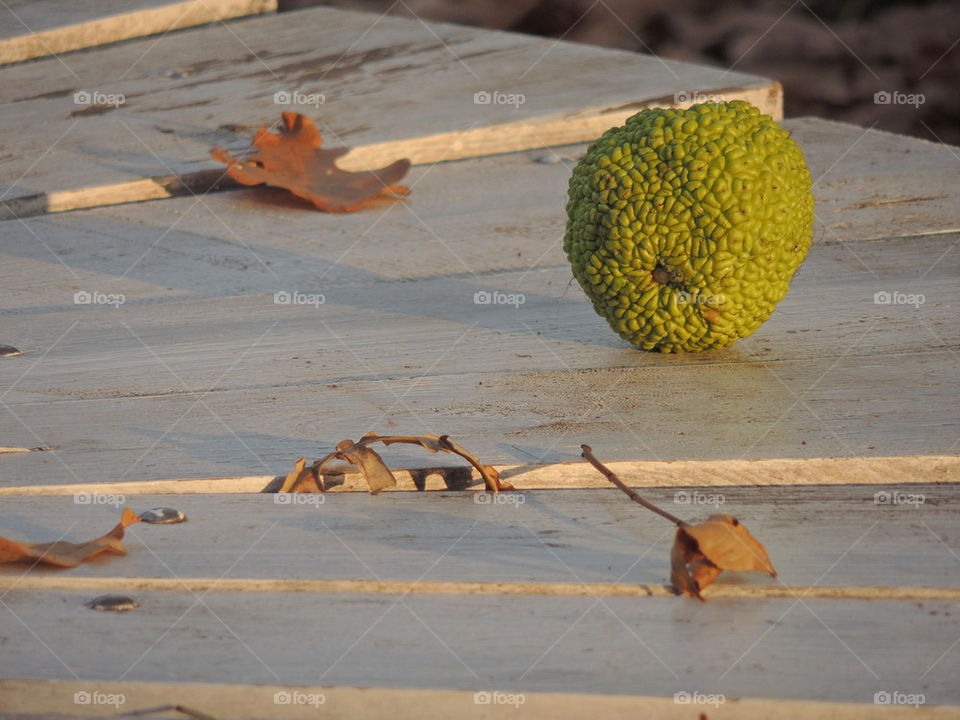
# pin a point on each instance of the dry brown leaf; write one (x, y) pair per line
(292, 159)
(293, 475)
(67, 554)
(727, 543)
(375, 471)
(700, 552)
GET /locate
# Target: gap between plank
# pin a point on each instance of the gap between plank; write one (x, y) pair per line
(899, 470)
(585, 125)
(404, 587)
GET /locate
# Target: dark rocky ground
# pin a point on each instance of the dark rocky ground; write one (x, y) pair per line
(832, 57)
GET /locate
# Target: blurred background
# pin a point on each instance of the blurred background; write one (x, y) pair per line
(895, 63)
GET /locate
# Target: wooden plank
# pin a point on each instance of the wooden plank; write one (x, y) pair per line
(56, 698)
(838, 651)
(872, 184)
(829, 537)
(532, 476)
(39, 28)
(518, 384)
(382, 80)
(552, 413)
(530, 398)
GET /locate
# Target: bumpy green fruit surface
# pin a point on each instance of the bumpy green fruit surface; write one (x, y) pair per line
(685, 227)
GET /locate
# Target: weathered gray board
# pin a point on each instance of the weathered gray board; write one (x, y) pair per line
(38, 28)
(845, 536)
(795, 647)
(400, 346)
(810, 649)
(382, 80)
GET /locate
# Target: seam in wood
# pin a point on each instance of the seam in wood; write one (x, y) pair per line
(403, 587)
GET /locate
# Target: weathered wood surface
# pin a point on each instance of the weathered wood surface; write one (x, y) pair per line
(846, 536)
(55, 699)
(785, 649)
(201, 374)
(899, 470)
(38, 28)
(382, 80)
(796, 646)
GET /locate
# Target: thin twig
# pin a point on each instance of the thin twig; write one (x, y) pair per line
(612, 477)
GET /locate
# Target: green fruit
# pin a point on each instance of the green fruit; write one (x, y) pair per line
(685, 227)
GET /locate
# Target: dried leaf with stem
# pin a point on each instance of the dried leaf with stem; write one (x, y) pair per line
(67, 554)
(700, 552)
(294, 160)
(375, 470)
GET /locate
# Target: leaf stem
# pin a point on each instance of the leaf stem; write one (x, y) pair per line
(612, 477)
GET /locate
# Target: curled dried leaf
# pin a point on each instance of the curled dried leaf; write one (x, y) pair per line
(374, 469)
(727, 543)
(292, 159)
(290, 480)
(67, 554)
(700, 552)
